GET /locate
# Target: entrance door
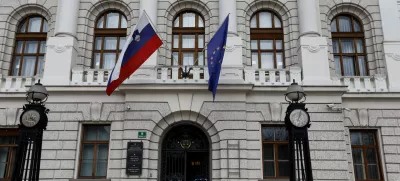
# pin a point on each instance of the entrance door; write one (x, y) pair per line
(185, 155)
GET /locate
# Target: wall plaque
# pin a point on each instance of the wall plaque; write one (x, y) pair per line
(134, 158)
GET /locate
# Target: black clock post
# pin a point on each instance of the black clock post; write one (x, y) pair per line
(33, 121)
(297, 122)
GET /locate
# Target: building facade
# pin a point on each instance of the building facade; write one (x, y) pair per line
(344, 53)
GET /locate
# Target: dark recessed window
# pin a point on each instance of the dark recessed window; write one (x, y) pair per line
(8, 146)
(348, 46)
(30, 47)
(275, 152)
(109, 39)
(266, 34)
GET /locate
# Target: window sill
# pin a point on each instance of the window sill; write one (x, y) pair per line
(96, 179)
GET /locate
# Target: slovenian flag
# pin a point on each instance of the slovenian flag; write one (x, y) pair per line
(140, 45)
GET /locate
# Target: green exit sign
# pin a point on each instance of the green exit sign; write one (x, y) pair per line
(141, 134)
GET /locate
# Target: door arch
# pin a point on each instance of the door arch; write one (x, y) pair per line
(185, 154)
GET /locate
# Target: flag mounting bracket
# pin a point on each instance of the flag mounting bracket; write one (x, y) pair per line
(186, 73)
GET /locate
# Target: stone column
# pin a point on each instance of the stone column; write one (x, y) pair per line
(391, 44)
(147, 71)
(313, 49)
(62, 50)
(232, 64)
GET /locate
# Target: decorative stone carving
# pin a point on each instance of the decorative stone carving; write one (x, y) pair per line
(275, 111)
(313, 48)
(95, 111)
(363, 117)
(394, 56)
(59, 48)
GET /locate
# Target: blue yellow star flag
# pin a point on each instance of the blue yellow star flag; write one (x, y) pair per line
(215, 55)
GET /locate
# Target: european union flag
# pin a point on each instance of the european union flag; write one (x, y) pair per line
(215, 55)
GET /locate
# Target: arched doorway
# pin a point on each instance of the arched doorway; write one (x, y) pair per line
(185, 154)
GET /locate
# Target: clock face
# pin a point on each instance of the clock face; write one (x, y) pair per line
(30, 118)
(299, 118)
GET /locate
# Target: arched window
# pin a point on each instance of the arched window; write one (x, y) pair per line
(348, 46)
(30, 47)
(188, 39)
(110, 37)
(266, 36)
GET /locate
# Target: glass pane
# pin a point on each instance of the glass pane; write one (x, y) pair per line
(90, 133)
(344, 24)
(348, 65)
(39, 68)
(269, 169)
(97, 60)
(200, 41)
(357, 27)
(347, 46)
(2, 169)
(200, 60)
(254, 60)
(268, 134)
(31, 46)
(360, 46)
(284, 168)
(268, 152)
(28, 66)
(254, 44)
(98, 43)
(357, 156)
(278, 44)
(188, 41)
(266, 44)
(103, 133)
(279, 60)
(87, 160)
(283, 152)
(19, 46)
(359, 172)
(43, 47)
(362, 66)
(253, 22)
(265, 19)
(176, 41)
(281, 134)
(122, 41)
(189, 20)
(101, 160)
(3, 160)
(176, 22)
(100, 22)
(22, 27)
(109, 60)
(112, 20)
(15, 67)
(338, 67)
(45, 26)
(373, 172)
(355, 138)
(8, 140)
(371, 156)
(267, 60)
(102, 152)
(175, 59)
(188, 58)
(335, 46)
(333, 26)
(110, 43)
(201, 22)
(34, 24)
(277, 22)
(124, 24)
(368, 139)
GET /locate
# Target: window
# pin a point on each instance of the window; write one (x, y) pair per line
(188, 40)
(94, 151)
(266, 44)
(348, 46)
(109, 37)
(8, 145)
(30, 47)
(275, 152)
(365, 155)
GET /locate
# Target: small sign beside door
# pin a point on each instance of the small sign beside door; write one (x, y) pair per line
(141, 134)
